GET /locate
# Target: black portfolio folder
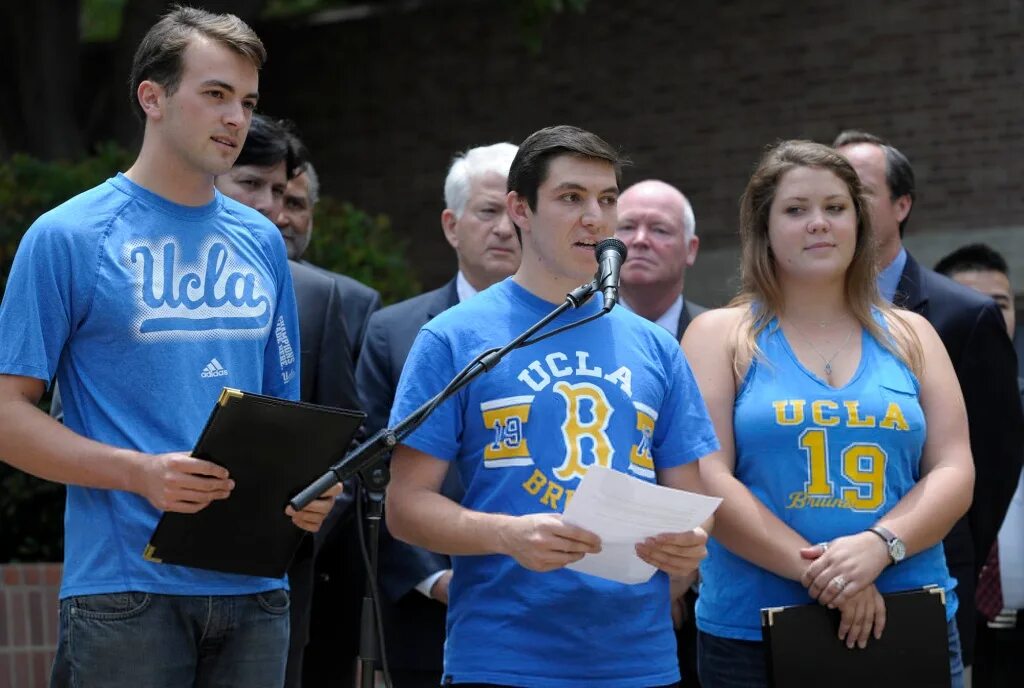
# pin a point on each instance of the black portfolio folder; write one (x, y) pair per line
(803, 648)
(272, 449)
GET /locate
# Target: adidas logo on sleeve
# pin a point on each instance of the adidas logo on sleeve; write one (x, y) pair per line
(214, 369)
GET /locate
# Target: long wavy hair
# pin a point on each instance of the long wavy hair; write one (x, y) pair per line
(760, 290)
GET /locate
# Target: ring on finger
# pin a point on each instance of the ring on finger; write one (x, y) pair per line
(823, 545)
(839, 582)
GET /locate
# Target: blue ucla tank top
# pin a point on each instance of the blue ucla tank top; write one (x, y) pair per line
(828, 462)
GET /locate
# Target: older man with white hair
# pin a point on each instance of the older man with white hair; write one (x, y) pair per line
(658, 227)
(657, 224)
(475, 223)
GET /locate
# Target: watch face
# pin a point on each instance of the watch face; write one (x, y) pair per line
(897, 550)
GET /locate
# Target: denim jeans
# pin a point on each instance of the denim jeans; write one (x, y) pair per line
(728, 663)
(143, 640)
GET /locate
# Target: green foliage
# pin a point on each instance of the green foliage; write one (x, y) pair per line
(32, 510)
(362, 246)
(101, 20)
(29, 187)
(31, 518)
(535, 17)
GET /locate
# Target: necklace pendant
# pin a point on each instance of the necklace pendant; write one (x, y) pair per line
(828, 368)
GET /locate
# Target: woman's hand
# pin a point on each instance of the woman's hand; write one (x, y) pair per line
(848, 565)
(863, 613)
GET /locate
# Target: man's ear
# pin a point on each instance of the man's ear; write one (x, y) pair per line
(151, 99)
(692, 246)
(902, 206)
(518, 210)
(448, 222)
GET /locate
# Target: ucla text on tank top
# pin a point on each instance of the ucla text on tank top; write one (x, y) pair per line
(828, 462)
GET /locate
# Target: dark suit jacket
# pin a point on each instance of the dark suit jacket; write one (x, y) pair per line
(690, 311)
(414, 625)
(1018, 345)
(326, 377)
(973, 331)
(358, 303)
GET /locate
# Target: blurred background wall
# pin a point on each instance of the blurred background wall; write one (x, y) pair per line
(387, 91)
(691, 91)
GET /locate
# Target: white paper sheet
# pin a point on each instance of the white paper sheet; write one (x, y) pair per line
(623, 511)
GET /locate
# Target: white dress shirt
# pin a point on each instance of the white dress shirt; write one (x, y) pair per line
(669, 319)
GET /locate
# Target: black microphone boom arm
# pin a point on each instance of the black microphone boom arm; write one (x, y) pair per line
(377, 446)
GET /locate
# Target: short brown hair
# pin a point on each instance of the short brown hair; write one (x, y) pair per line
(530, 166)
(159, 55)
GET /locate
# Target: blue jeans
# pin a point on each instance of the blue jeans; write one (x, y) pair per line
(143, 640)
(728, 663)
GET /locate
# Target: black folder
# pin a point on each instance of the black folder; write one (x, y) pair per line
(272, 449)
(803, 649)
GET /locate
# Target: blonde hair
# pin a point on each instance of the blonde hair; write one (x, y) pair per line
(760, 291)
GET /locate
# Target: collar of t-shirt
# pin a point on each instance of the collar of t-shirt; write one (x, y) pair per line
(465, 290)
(889, 277)
(669, 319)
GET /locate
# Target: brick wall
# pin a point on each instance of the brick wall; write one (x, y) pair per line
(691, 91)
(28, 623)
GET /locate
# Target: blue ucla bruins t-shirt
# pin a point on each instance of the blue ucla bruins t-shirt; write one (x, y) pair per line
(616, 392)
(144, 310)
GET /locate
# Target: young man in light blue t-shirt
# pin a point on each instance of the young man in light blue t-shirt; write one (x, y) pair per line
(616, 392)
(144, 297)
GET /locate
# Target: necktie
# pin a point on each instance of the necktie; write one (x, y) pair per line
(989, 596)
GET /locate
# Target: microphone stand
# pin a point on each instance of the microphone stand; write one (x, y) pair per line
(366, 459)
(372, 485)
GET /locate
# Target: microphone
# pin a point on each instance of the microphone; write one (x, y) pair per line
(611, 254)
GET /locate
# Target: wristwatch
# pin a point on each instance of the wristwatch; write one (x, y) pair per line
(897, 549)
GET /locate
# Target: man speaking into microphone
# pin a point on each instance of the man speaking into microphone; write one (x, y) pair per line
(615, 392)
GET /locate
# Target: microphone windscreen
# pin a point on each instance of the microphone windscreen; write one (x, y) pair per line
(610, 243)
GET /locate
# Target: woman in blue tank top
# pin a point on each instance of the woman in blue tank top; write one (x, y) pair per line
(845, 457)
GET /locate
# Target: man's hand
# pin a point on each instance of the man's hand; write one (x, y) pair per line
(543, 542)
(677, 554)
(316, 511)
(439, 591)
(180, 483)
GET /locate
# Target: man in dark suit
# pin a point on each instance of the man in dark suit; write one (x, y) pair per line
(339, 578)
(414, 582)
(295, 221)
(657, 224)
(658, 227)
(998, 660)
(974, 334)
(258, 180)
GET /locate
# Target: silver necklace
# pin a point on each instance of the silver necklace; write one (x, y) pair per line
(827, 361)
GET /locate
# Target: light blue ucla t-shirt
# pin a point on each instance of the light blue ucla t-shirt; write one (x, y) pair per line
(827, 462)
(144, 310)
(616, 392)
